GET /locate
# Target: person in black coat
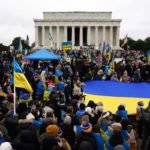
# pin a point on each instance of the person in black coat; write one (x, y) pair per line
(67, 130)
(68, 91)
(86, 136)
(28, 141)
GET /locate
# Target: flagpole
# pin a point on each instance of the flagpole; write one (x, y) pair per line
(14, 100)
(102, 53)
(101, 57)
(14, 84)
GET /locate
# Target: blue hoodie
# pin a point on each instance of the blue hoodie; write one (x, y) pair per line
(125, 134)
(40, 88)
(99, 140)
(108, 133)
(105, 125)
(80, 113)
(122, 113)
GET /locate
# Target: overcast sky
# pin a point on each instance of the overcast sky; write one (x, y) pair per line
(16, 16)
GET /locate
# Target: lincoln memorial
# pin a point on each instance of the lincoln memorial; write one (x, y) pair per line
(81, 28)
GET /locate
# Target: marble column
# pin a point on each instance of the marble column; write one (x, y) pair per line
(111, 36)
(36, 36)
(96, 37)
(89, 35)
(104, 34)
(81, 36)
(73, 36)
(65, 33)
(117, 36)
(58, 40)
(43, 36)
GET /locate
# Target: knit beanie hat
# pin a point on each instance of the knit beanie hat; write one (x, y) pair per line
(86, 127)
(52, 130)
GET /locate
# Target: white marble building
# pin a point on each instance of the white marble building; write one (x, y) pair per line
(82, 28)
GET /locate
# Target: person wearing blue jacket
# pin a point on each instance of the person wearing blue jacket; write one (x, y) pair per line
(98, 138)
(122, 112)
(116, 139)
(81, 111)
(39, 89)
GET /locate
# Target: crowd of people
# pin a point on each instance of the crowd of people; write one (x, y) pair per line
(54, 116)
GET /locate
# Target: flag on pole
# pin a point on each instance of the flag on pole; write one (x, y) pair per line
(20, 47)
(125, 41)
(108, 49)
(50, 36)
(20, 80)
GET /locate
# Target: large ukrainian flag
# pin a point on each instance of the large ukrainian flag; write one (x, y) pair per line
(20, 80)
(112, 93)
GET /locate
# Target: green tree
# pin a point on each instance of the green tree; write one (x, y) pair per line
(141, 45)
(16, 41)
(3, 47)
(147, 40)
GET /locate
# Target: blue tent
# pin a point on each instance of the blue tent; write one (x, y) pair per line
(42, 54)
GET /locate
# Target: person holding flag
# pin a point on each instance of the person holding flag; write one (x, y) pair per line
(20, 81)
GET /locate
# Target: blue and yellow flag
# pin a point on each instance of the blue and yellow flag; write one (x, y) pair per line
(113, 64)
(109, 51)
(125, 41)
(20, 80)
(50, 36)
